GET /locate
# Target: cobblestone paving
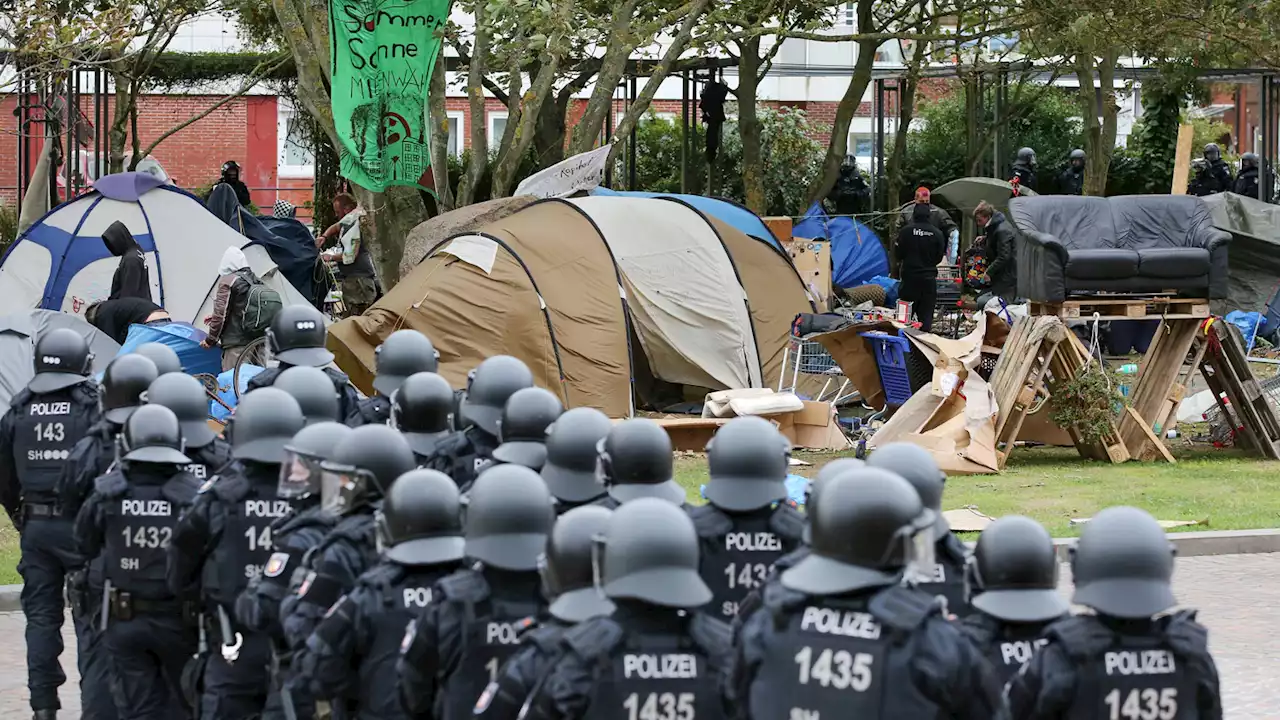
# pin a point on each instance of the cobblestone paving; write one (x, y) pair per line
(1238, 597)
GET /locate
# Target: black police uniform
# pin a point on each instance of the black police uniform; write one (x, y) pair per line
(334, 565)
(541, 647)
(150, 634)
(754, 599)
(462, 454)
(1006, 645)
(947, 580)
(1100, 667)
(1071, 181)
(219, 545)
(374, 410)
(1247, 183)
(89, 459)
(37, 436)
(1025, 173)
(349, 399)
(738, 550)
(209, 461)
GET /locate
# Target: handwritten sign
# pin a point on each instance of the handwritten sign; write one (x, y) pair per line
(578, 173)
(383, 55)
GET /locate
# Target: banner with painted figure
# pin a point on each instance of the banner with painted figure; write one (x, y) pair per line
(383, 54)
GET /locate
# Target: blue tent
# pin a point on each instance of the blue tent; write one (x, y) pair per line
(726, 211)
(185, 341)
(857, 254)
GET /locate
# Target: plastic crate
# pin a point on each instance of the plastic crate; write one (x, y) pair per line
(891, 353)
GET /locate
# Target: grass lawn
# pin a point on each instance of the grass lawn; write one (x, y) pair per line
(1226, 488)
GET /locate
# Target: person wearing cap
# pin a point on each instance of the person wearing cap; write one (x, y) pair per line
(1134, 655)
(150, 632)
(748, 523)
(573, 458)
(522, 429)
(919, 249)
(1012, 580)
(845, 635)
(917, 466)
(403, 353)
(284, 209)
(420, 536)
(421, 409)
(303, 528)
(186, 397)
(456, 646)
(224, 540)
(569, 581)
(636, 462)
(938, 217)
(164, 357)
(463, 453)
(314, 393)
(43, 423)
(659, 653)
(297, 337)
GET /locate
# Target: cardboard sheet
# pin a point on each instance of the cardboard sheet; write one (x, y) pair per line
(856, 359)
(807, 424)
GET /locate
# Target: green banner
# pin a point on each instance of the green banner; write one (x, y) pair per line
(383, 55)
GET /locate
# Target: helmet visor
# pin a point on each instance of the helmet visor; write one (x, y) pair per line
(920, 549)
(341, 487)
(300, 476)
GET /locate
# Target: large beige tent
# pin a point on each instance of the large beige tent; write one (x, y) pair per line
(605, 298)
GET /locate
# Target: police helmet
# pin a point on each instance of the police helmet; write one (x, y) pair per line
(162, 355)
(420, 522)
(568, 570)
(489, 386)
(1122, 564)
(522, 428)
(297, 335)
(833, 469)
(917, 466)
(864, 530)
(62, 359)
(1013, 572)
(153, 435)
(747, 460)
(314, 392)
(185, 396)
(402, 354)
(265, 421)
(1028, 156)
(123, 383)
(508, 518)
(420, 409)
(1076, 155)
(300, 473)
(635, 461)
(1249, 160)
(573, 455)
(363, 467)
(651, 554)
(1212, 153)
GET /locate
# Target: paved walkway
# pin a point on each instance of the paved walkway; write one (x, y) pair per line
(1237, 596)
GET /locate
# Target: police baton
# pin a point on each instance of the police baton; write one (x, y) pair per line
(230, 651)
(106, 605)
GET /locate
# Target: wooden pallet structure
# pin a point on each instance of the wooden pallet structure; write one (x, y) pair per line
(1125, 308)
(1226, 370)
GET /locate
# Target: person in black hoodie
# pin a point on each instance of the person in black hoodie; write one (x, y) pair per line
(113, 317)
(919, 249)
(132, 278)
(231, 176)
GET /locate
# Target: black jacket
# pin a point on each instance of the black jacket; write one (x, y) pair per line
(242, 190)
(919, 249)
(1071, 182)
(114, 317)
(1247, 183)
(1002, 259)
(1026, 175)
(131, 278)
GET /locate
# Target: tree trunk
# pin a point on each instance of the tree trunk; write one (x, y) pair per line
(118, 136)
(475, 93)
(749, 125)
(898, 157)
(440, 138)
(328, 178)
(612, 66)
(1098, 105)
(548, 138)
(838, 146)
(394, 213)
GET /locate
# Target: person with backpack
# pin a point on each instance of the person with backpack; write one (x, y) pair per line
(243, 308)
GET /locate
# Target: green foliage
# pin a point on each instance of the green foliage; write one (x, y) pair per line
(183, 68)
(791, 158)
(1207, 130)
(8, 226)
(484, 188)
(658, 149)
(1087, 401)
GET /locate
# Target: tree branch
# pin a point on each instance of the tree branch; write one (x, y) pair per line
(464, 56)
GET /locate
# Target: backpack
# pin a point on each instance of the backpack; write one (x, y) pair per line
(261, 304)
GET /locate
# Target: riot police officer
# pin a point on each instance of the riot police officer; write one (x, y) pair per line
(573, 453)
(224, 540)
(1247, 181)
(185, 396)
(917, 466)
(148, 630)
(1024, 168)
(314, 393)
(635, 459)
(568, 580)
(43, 423)
(297, 337)
(522, 429)
(292, 536)
(1129, 659)
(843, 636)
(456, 646)
(1071, 181)
(420, 410)
(420, 533)
(403, 353)
(356, 477)
(462, 454)
(1012, 580)
(1217, 177)
(747, 523)
(657, 655)
(164, 357)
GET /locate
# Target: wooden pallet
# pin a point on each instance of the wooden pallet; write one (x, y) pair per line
(1124, 308)
(1019, 376)
(1067, 362)
(1160, 385)
(1227, 372)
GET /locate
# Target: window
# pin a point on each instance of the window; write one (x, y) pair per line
(455, 134)
(849, 15)
(862, 145)
(497, 127)
(297, 156)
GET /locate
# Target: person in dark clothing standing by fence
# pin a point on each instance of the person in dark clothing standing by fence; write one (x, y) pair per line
(919, 249)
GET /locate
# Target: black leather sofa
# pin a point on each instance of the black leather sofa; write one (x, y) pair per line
(1070, 245)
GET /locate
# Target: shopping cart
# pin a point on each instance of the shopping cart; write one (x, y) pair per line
(809, 357)
(949, 289)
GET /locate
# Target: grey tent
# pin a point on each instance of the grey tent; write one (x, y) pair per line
(18, 333)
(1255, 248)
(965, 194)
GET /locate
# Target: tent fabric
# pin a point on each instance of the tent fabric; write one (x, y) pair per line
(61, 263)
(964, 194)
(726, 211)
(185, 341)
(18, 335)
(558, 296)
(1254, 262)
(857, 255)
(288, 242)
(427, 235)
